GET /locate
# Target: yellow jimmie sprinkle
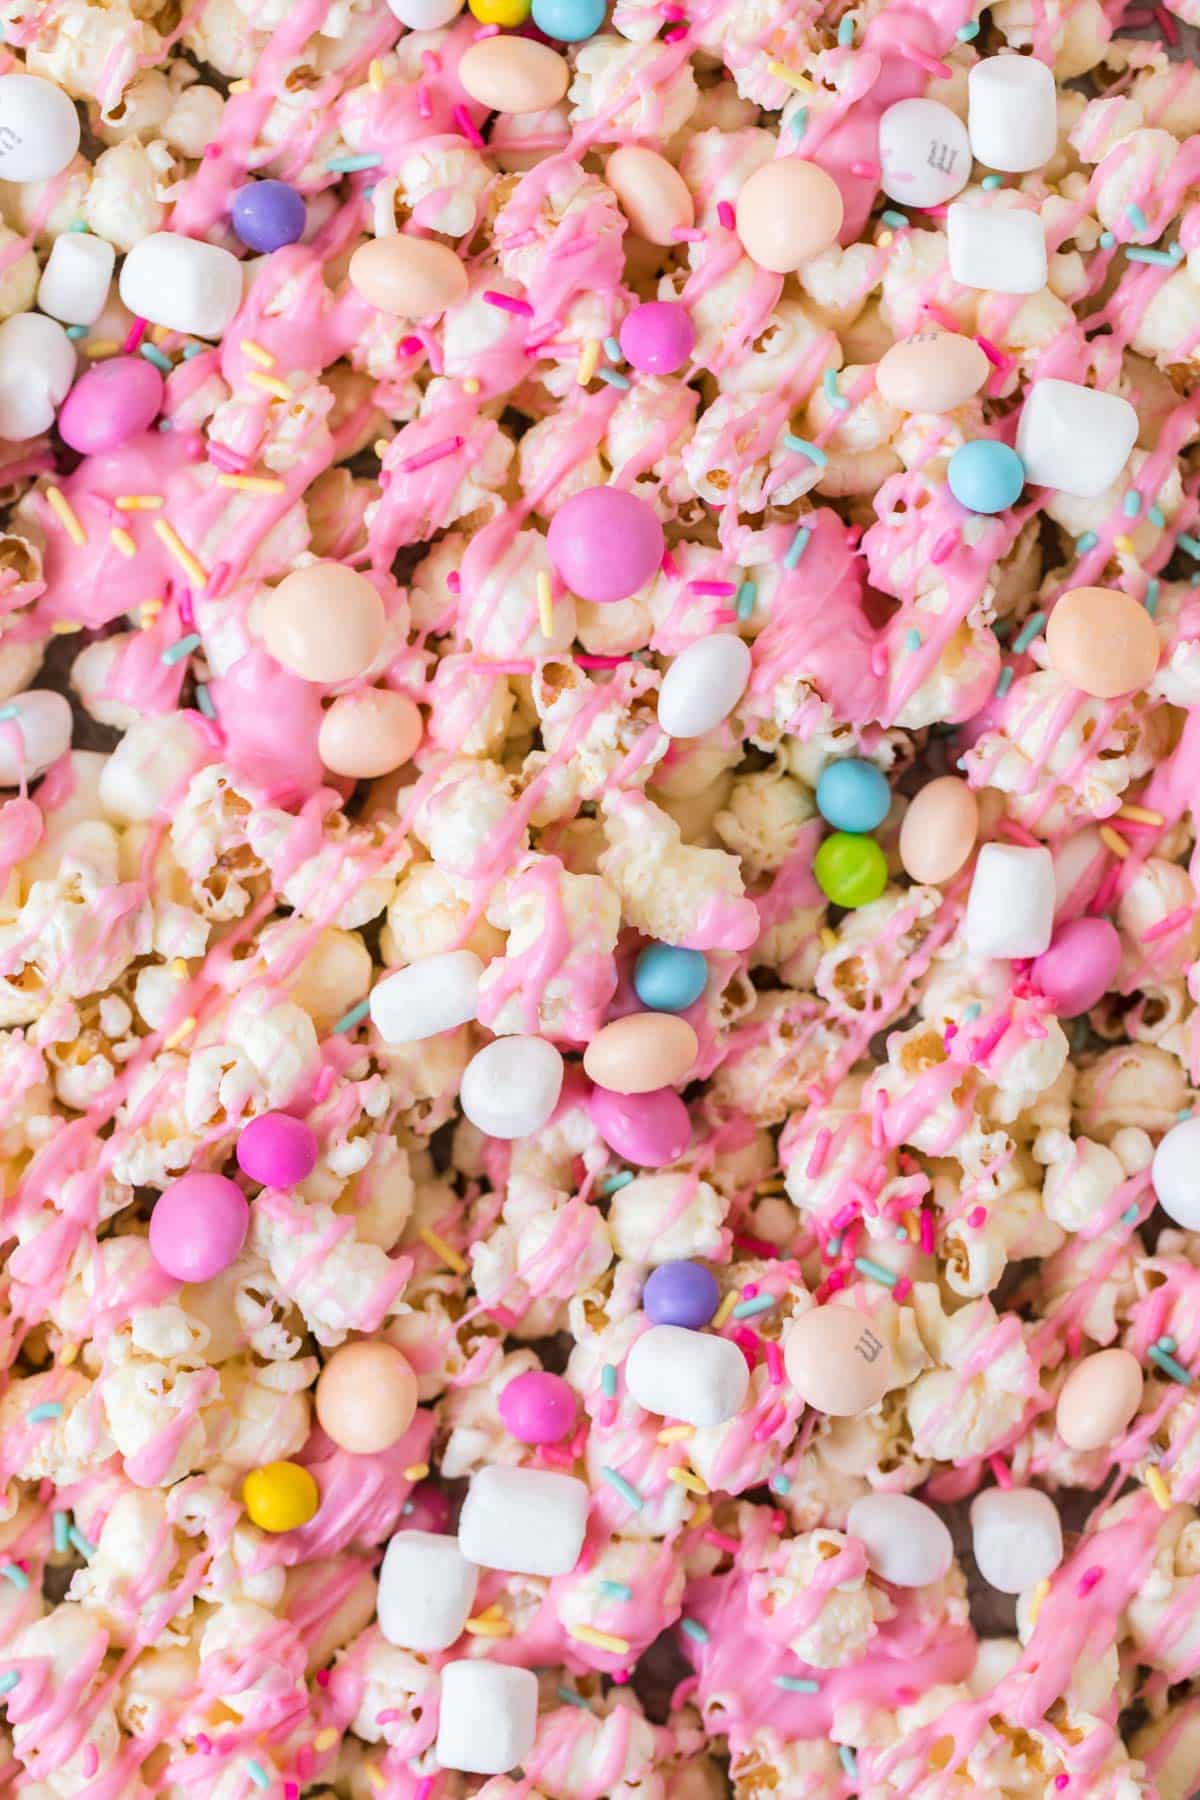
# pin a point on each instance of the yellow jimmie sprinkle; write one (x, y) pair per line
(700, 1517)
(375, 75)
(1114, 841)
(599, 1640)
(375, 1776)
(160, 333)
(1159, 1488)
(64, 628)
(485, 1627)
(138, 502)
(1035, 1601)
(123, 541)
(380, 447)
(588, 361)
(545, 599)
(884, 239)
(800, 82)
(828, 938)
(270, 384)
(416, 1471)
(180, 1032)
(440, 1247)
(472, 385)
(148, 612)
(726, 1307)
(676, 1434)
(239, 87)
(179, 968)
(256, 353)
(325, 1740)
(67, 1355)
(687, 1478)
(192, 568)
(1141, 815)
(253, 484)
(64, 512)
(1124, 544)
(98, 347)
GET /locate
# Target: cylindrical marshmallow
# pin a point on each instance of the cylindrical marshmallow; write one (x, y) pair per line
(1074, 438)
(39, 128)
(511, 1086)
(907, 1544)
(487, 1717)
(923, 153)
(1016, 1537)
(703, 685)
(1010, 911)
(37, 367)
(688, 1375)
(525, 1521)
(1175, 1173)
(182, 283)
(75, 281)
(433, 995)
(1012, 113)
(426, 1591)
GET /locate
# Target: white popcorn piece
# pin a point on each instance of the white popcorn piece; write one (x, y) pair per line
(1074, 438)
(1010, 910)
(690, 1375)
(1000, 249)
(528, 1521)
(426, 1591)
(487, 1717)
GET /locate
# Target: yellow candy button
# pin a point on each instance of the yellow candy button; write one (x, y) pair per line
(280, 1496)
(501, 12)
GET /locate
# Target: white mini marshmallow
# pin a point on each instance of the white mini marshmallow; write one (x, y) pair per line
(487, 1717)
(426, 1591)
(1016, 1537)
(39, 128)
(182, 283)
(1012, 113)
(432, 995)
(924, 154)
(36, 737)
(37, 367)
(996, 248)
(689, 1375)
(703, 685)
(907, 1544)
(511, 1087)
(425, 15)
(76, 278)
(1074, 438)
(525, 1521)
(1010, 910)
(1175, 1173)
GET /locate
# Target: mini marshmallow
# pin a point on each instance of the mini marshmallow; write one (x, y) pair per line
(511, 1087)
(1175, 1173)
(996, 248)
(39, 128)
(907, 1544)
(487, 1717)
(525, 1521)
(426, 1591)
(433, 995)
(182, 283)
(1012, 115)
(924, 154)
(75, 280)
(1074, 438)
(37, 367)
(1010, 910)
(688, 1375)
(1016, 1537)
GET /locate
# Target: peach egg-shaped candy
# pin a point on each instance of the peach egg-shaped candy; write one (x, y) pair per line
(788, 212)
(1102, 641)
(366, 1397)
(407, 277)
(368, 734)
(641, 1052)
(325, 623)
(1099, 1398)
(836, 1361)
(933, 372)
(514, 75)
(651, 193)
(939, 830)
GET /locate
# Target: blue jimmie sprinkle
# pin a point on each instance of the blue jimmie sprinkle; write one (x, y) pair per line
(966, 32)
(625, 1488)
(912, 639)
(49, 1409)
(1004, 683)
(77, 331)
(1085, 542)
(354, 1017)
(875, 1270)
(613, 352)
(1107, 240)
(780, 1483)
(62, 1531)
(1160, 258)
(350, 165)
(257, 1773)
(1137, 217)
(1129, 1216)
(1169, 1366)
(1156, 516)
(897, 220)
(829, 382)
(612, 1184)
(1131, 504)
(846, 32)
(991, 182)
(183, 647)
(802, 447)
(613, 377)
(692, 1628)
(616, 1590)
(85, 1546)
(1028, 632)
(570, 1698)
(848, 1761)
(204, 702)
(608, 1381)
(798, 123)
(9, 1680)
(797, 547)
(760, 1303)
(18, 1577)
(152, 354)
(797, 1684)
(746, 596)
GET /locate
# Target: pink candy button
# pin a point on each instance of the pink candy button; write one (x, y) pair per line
(650, 1130)
(605, 544)
(538, 1408)
(277, 1150)
(1078, 969)
(111, 403)
(198, 1227)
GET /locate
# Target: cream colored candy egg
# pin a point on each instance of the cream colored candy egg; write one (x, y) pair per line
(788, 212)
(369, 733)
(836, 1361)
(407, 277)
(325, 623)
(640, 1053)
(939, 830)
(651, 192)
(1098, 1399)
(514, 75)
(932, 373)
(366, 1397)
(1102, 641)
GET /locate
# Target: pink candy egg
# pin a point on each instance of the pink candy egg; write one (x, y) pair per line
(407, 277)
(788, 212)
(198, 1226)
(514, 75)
(538, 1408)
(939, 829)
(277, 1150)
(651, 193)
(605, 544)
(112, 402)
(1098, 1399)
(934, 372)
(1102, 641)
(369, 734)
(836, 1361)
(658, 337)
(366, 1397)
(1078, 969)
(650, 1130)
(427, 1509)
(325, 623)
(641, 1052)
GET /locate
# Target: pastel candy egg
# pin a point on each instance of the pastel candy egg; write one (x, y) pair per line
(703, 685)
(425, 15)
(985, 475)
(681, 1293)
(39, 128)
(850, 870)
(366, 1397)
(649, 1130)
(408, 277)
(1174, 1173)
(651, 193)
(110, 403)
(906, 1543)
(668, 978)
(939, 829)
(511, 1087)
(277, 1150)
(924, 153)
(1102, 642)
(853, 795)
(537, 1407)
(1080, 966)
(836, 1362)
(281, 1496)
(509, 13)
(788, 211)
(514, 75)
(266, 215)
(604, 543)
(641, 1052)
(934, 372)
(1016, 1537)
(435, 994)
(368, 734)
(325, 623)
(37, 367)
(34, 734)
(570, 21)
(198, 1226)
(1098, 1399)
(658, 337)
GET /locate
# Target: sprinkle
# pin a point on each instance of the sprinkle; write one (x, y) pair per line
(725, 214)
(177, 651)
(588, 362)
(440, 1247)
(269, 384)
(722, 1541)
(747, 595)
(1001, 1471)
(1004, 682)
(608, 1381)
(191, 566)
(845, 32)
(802, 447)
(829, 383)
(1191, 545)
(416, 1471)
(62, 1527)
(1129, 1216)
(180, 1032)
(122, 541)
(1169, 1366)
(780, 1483)
(137, 332)
(1124, 545)
(797, 547)
(155, 356)
(257, 1773)
(350, 165)
(75, 332)
(1114, 841)
(256, 353)
(797, 1684)
(1159, 1489)
(612, 1184)
(967, 32)
(9, 1680)
(760, 1303)
(1036, 1600)
(692, 1628)
(485, 1627)
(570, 1698)
(466, 126)
(912, 639)
(1107, 240)
(1087, 541)
(1131, 504)
(18, 1577)
(723, 1311)
(897, 220)
(781, 72)
(684, 1478)
(613, 350)
(798, 123)
(625, 1488)
(675, 1434)
(421, 459)
(600, 1640)
(61, 507)
(875, 1270)
(471, 385)
(507, 303)
(616, 1590)
(1137, 217)
(1141, 815)
(1166, 1341)
(930, 64)
(991, 182)
(375, 1776)
(98, 347)
(325, 1740)
(1162, 258)
(1088, 1580)
(375, 75)
(613, 377)
(847, 1759)
(1156, 516)
(1028, 632)
(253, 484)
(49, 1409)
(138, 502)
(866, 171)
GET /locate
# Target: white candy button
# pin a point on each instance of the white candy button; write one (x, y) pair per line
(487, 1717)
(37, 736)
(1017, 1537)
(37, 367)
(996, 248)
(433, 995)
(182, 283)
(688, 1375)
(1074, 438)
(1175, 1173)
(511, 1087)
(907, 1544)
(425, 15)
(39, 128)
(75, 280)
(703, 685)
(1012, 113)
(923, 153)
(525, 1521)
(426, 1591)
(1010, 911)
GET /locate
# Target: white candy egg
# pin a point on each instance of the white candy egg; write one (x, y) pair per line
(1175, 1173)
(703, 685)
(511, 1086)
(1017, 1537)
(425, 15)
(37, 367)
(39, 128)
(907, 1544)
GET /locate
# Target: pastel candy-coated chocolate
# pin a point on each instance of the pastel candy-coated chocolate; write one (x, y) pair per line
(1099, 1398)
(658, 337)
(907, 1543)
(853, 795)
(570, 21)
(537, 1407)
(408, 277)
(935, 372)
(836, 1361)
(426, 1591)
(110, 403)
(641, 1052)
(366, 1397)
(511, 1087)
(1016, 1537)
(693, 1376)
(1080, 966)
(277, 1150)
(325, 623)
(267, 215)
(425, 15)
(605, 544)
(198, 1226)
(938, 832)
(1102, 641)
(788, 211)
(280, 1496)
(851, 870)
(514, 75)
(651, 192)
(985, 475)
(669, 978)
(1175, 1173)
(703, 685)
(525, 1521)
(650, 1130)
(40, 128)
(681, 1293)
(370, 733)
(924, 154)
(487, 1717)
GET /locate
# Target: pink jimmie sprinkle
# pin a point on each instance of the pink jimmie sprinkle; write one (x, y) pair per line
(411, 346)
(816, 1161)
(424, 1787)
(203, 1743)
(600, 662)
(466, 125)
(902, 1289)
(323, 1678)
(1172, 922)
(712, 587)
(774, 1362)
(994, 356)
(927, 1233)
(507, 303)
(675, 34)
(923, 60)
(753, 1246)
(999, 1469)
(725, 215)
(747, 1343)
(977, 1217)
(232, 461)
(943, 547)
(938, 314)
(769, 1424)
(137, 332)
(91, 1760)
(435, 453)
(291, 1790)
(722, 1542)
(1088, 1580)
(1062, 1781)
(454, 581)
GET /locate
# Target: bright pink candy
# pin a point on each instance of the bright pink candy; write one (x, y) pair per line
(427, 1509)
(538, 1408)
(650, 1130)
(110, 404)
(658, 338)
(277, 1150)
(1079, 967)
(198, 1226)
(605, 544)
